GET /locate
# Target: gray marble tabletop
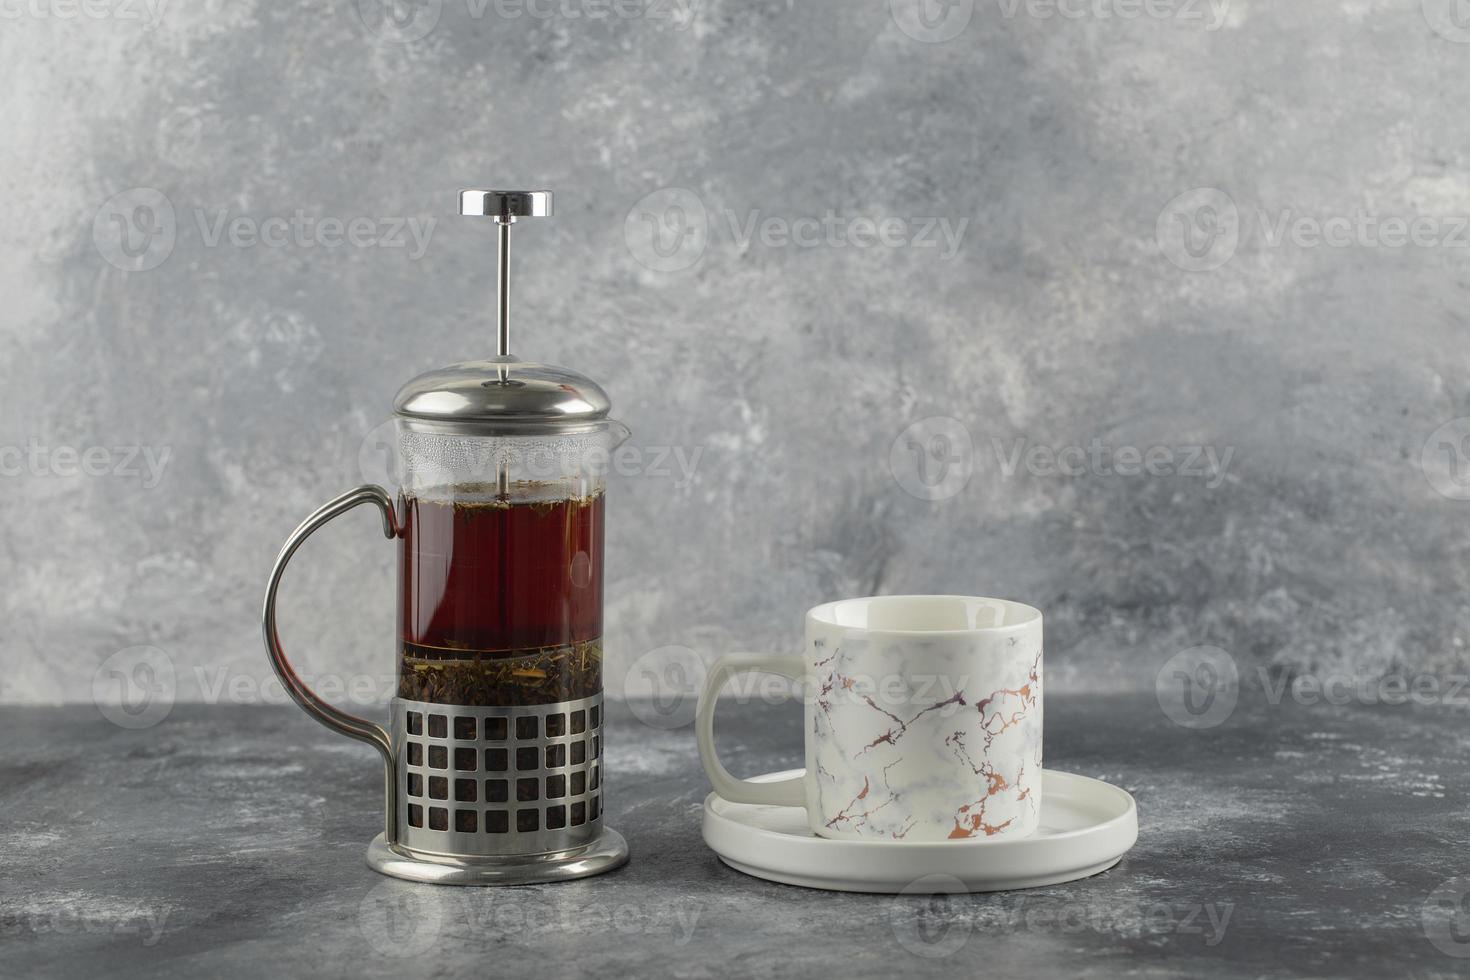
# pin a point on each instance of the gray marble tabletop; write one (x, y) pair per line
(223, 842)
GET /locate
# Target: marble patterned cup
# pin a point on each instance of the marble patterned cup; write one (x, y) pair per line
(923, 720)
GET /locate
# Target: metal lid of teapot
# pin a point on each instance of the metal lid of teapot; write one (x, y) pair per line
(503, 394)
(504, 391)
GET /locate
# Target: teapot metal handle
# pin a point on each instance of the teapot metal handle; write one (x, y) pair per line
(310, 702)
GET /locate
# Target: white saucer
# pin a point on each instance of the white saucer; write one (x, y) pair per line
(1087, 826)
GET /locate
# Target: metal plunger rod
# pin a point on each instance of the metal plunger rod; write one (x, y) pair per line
(502, 335)
(505, 207)
(502, 288)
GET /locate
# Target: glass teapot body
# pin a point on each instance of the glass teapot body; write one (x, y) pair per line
(494, 747)
(500, 565)
(498, 716)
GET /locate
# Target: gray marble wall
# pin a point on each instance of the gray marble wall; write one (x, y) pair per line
(1148, 312)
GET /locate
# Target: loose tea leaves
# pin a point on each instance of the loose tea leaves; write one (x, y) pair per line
(548, 675)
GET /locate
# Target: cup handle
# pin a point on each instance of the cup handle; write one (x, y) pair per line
(310, 702)
(785, 792)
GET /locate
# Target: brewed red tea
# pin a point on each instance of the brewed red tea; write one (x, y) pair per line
(501, 597)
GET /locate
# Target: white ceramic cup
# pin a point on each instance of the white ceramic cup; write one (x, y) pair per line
(923, 719)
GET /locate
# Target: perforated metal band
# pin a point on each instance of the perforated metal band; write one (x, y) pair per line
(498, 781)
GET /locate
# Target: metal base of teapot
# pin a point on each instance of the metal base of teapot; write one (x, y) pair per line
(607, 852)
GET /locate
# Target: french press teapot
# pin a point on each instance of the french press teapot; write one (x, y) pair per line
(494, 751)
